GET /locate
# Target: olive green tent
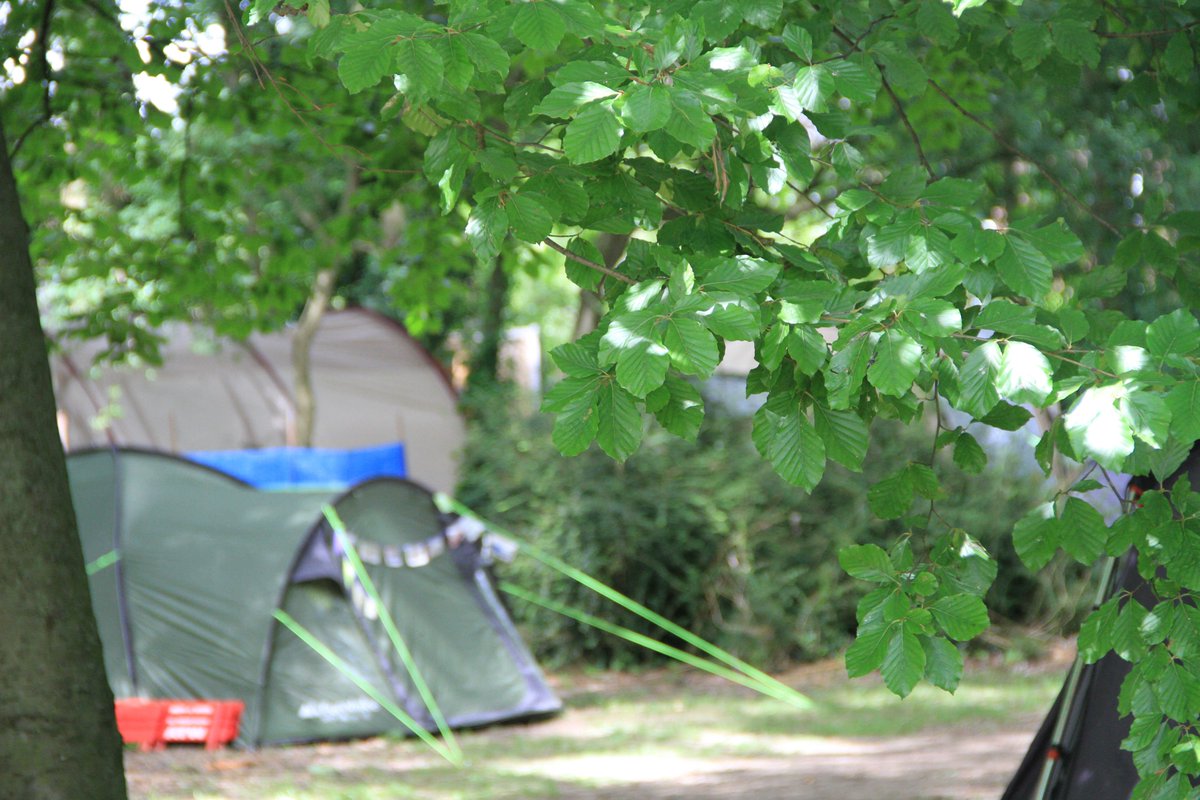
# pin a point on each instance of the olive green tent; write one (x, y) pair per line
(192, 571)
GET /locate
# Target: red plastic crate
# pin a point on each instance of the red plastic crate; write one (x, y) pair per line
(152, 724)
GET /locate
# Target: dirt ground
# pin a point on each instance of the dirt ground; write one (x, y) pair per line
(960, 761)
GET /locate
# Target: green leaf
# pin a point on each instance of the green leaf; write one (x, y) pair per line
(807, 348)
(1006, 417)
(1177, 333)
(581, 18)
(1076, 43)
(1095, 635)
(943, 663)
(742, 275)
(1031, 44)
(1083, 531)
(364, 65)
(562, 101)
(952, 192)
(642, 368)
(592, 135)
(1036, 536)
(1024, 269)
(582, 275)
(1025, 375)
(1127, 631)
(799, 41)
(424, 67)
(891, 497)
(846, 371)
(867, 562)
(486, 228)
(795, 450)
(575, 359)
(905, 73)
(968, 455)
(574, 429)
(813, 87)
(961, 616)
(977, 380)
(647, 108)
(904, 663)
(1097, 429)
(924, 481)
(530, 220)
(693, 349)
(683, 412)
(539, 25)
(935, 317)
(732, 318)
(486, 53)
(1178, 59)
(845, 436)
(1183, 400)
(1148, 415)
(619, 430)
(866, 654)
(897, 363)
(761, 13)
(1178, 693)
(690, 123)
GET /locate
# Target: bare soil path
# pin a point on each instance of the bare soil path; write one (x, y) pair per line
(655, 737)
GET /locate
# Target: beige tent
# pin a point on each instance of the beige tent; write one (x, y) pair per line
(374, 385)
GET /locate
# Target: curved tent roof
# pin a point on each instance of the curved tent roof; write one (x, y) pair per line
(373, 383)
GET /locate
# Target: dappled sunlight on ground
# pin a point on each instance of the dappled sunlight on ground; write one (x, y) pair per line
(658, 736)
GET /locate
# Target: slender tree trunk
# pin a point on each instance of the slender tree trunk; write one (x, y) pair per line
(58, 736)
(306, 329)
(324, 285)
(485, 358)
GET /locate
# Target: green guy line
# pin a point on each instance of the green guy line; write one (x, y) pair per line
(362, 683)
(777, 688)
(103, 562)
(649, 643)
(393, 632)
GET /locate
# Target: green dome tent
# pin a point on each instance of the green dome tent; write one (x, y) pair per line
(192, 571)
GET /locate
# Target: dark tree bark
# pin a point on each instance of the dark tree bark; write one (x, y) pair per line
(58, 735)
(485, 356)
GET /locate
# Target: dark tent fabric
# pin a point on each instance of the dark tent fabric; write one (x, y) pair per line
(1091, 764)
(1087, 763)
(190, 566)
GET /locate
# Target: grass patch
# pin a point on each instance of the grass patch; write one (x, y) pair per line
(650, 728)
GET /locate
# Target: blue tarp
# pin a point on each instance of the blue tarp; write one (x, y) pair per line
(306, 467)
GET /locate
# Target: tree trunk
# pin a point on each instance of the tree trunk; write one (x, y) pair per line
(58, 735)
(306, 329)
(485, 359)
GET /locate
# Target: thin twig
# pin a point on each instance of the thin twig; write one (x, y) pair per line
(1149, 34)
(912, 132)
(1003, 142)
(587, 262)
(43, 46)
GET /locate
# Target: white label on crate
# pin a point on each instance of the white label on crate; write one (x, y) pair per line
(339, 710)
(182, 733)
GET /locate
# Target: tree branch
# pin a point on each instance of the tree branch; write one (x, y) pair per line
(42, 47)
(587, 262)
(1005, 143)
(912, 132)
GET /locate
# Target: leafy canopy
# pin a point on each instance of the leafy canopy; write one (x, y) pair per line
(860, 190)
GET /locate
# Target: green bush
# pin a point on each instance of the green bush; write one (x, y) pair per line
(707, 535)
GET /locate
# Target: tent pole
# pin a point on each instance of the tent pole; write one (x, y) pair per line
(1054, 749)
